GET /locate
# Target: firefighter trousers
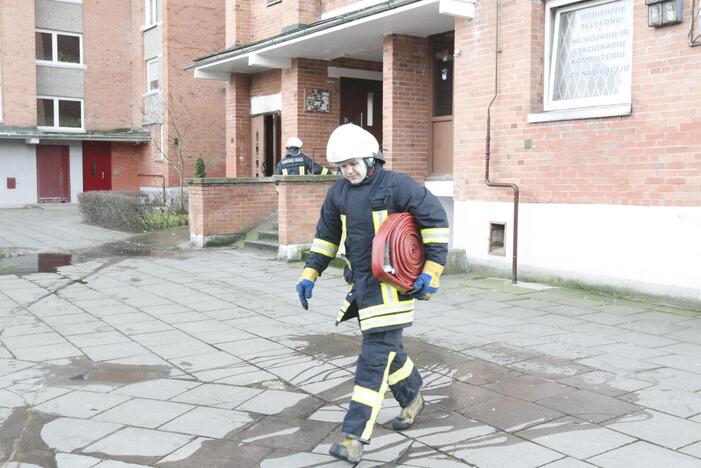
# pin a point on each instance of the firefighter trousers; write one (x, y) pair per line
(382, 364)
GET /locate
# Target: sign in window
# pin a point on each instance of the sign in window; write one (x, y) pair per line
(590, 54)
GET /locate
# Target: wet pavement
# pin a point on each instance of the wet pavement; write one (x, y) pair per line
(49, 228)
(205, 359)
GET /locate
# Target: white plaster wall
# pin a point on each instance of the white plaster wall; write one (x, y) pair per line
(654, 250)
(18, 160)
(76, 170)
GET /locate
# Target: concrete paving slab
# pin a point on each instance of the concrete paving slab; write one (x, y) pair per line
(645, 456)
(69, 434)
(137, 442)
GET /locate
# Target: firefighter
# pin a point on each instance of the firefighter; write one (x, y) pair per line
(297, 163)
(352, 213)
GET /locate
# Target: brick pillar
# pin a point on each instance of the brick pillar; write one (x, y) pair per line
(405, 100)
(238, 126)
(299, 203)
(238, 22)
(291, 97)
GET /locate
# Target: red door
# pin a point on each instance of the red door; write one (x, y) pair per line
(53, 175)
(97, 165)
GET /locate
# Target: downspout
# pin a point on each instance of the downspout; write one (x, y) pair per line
(488, 141)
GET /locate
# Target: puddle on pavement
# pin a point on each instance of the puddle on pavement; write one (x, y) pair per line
(36, 263)
(50, 262)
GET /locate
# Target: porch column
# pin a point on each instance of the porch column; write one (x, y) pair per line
(238, 126)
(405, 100)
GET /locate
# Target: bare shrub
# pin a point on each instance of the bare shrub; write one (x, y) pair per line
(130, 211)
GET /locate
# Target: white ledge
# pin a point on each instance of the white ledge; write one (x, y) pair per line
(581, 113)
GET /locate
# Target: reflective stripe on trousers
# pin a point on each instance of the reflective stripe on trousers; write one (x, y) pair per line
(382, 364)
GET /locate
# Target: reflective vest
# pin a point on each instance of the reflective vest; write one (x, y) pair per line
(350, 216)
(301, 164)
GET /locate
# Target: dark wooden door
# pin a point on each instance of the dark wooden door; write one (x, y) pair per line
(97, 165)
(53, 174)
(361, 104)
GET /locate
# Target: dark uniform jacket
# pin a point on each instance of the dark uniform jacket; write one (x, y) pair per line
(350, 216)
(301, 164)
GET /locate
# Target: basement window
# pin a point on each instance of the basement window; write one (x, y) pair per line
(496, 239)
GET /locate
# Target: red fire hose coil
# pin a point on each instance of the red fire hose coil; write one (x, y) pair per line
(398, 252)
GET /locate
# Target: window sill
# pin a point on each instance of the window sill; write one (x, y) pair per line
(597, 112)
(146, 27)
(47, 63)
(153, 92)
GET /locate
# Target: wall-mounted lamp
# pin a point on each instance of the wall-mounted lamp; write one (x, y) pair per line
(663, 12)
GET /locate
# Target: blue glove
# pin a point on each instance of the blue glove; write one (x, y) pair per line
(304, 291)
(422, 287)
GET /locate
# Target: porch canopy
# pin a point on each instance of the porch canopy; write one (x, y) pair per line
(358, 34)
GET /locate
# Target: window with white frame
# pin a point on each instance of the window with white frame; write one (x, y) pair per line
(588, 53)
(54, 47)
(153, 75)
(154, 10)
(55, 113)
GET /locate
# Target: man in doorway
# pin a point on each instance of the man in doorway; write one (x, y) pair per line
(297, 163)
(351, 215)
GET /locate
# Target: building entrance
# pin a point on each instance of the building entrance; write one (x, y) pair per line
(265, 144)
(361, 104)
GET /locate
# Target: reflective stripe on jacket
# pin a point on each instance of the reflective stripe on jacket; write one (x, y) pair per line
(351, 215)
(301, 164)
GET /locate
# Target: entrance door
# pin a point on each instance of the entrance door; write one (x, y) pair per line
(53, 175)
(442, 103)
(265, 144)
(97, 165)
(361, 104)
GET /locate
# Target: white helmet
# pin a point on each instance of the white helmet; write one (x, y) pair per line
(349, 141)
(293, 142)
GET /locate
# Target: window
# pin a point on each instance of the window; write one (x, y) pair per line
(154, 9)
(153, 75)
(59, 114)
(57, 47)
(588, 53)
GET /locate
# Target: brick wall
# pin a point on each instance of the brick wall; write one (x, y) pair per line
(125, 161)
(17, 53)
(299, 204)
(652, 157)
(238, 22)
(106, 50)
(194, 108)
(267, 21)
(265, 83)
(313, 128)
(405, 118)
(229, 207)
(238, 126)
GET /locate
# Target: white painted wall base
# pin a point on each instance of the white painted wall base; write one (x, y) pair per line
(292, 252)
(653, 250)
(18, 160)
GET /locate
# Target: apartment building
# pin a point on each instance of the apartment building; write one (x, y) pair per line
(93, 96)
(589, 166)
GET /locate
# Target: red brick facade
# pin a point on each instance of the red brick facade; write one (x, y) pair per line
(652, 157)
(18, 74)
(238, 126)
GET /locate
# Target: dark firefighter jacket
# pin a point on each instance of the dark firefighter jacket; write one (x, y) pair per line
(301, 164)
(350, 216)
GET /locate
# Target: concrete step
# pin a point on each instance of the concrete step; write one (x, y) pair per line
(268, 235)
(259, 244)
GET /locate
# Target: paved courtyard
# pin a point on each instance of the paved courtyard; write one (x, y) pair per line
(205, 359)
